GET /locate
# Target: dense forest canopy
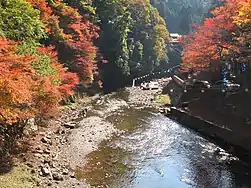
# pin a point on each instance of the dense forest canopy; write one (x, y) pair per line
(133, 38)
(48, 47)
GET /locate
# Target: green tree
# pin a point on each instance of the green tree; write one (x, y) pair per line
(133, 38)
(20, 21)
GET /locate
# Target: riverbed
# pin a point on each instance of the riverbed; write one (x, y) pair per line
(157, 152)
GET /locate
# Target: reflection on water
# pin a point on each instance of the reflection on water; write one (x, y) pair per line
(157, 152)
(165, 154)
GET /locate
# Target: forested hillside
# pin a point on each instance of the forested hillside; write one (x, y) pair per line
(48, 47)
(181, 15)
(133, 38)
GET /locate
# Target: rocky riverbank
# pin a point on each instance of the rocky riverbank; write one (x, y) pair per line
(146, 98)
(61, 145)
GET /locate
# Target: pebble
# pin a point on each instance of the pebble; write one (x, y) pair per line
(29, 165)
(73, 175)
(70, 125)
(47, 151)
(49, 184)
(65, 172)
(45, 171)
(57, 177)
(37, 155)
(39, 151)
(45, 140)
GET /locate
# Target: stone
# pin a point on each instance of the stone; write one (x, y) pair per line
(45, 171)
(73, 175)
(37, 155)
(38, 147)
(29, 164)
(45, 139)
(38, 183)
(49, 184)
(47, 151)
(65, 171)
(57, 177)
(48, 136)
(31, 126)
(53, 165)
(60, 131)
(46, 161)
(39, 151)
(70, 125)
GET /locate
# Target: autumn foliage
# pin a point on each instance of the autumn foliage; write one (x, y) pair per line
(65, 25)
(24, 93)
(222, 37)
(36, 57)
(48, 47)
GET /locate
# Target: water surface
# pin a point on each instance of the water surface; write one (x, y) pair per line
(165, 154)
(158, 152)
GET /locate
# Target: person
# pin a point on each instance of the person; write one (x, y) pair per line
(243, 67)
(229, 66)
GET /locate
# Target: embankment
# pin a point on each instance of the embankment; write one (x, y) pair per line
(214, 114)
(227, 138)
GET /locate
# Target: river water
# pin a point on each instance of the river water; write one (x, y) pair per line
(161, 153)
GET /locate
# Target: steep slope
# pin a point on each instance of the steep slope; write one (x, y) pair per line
(181, 15)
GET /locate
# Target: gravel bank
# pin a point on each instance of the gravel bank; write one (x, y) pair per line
(145, 98)
(63, 145)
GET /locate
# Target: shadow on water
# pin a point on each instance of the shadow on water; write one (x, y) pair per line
(103, 166)
(129, 120)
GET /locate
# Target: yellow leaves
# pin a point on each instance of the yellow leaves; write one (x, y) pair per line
(243, 16)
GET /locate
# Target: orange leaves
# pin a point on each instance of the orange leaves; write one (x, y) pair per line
(63, 82)
(45, 13)
(24, 93)
(70, 28)
(213, 40)
(16, 83)
(243, 17)
(82, 32)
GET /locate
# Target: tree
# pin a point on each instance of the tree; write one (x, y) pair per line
(23, 92)
(72, 34)
(19, 21)
(133, 39)
(212, 41)
(243, 39)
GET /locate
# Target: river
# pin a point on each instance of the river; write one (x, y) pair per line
(161, 153)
